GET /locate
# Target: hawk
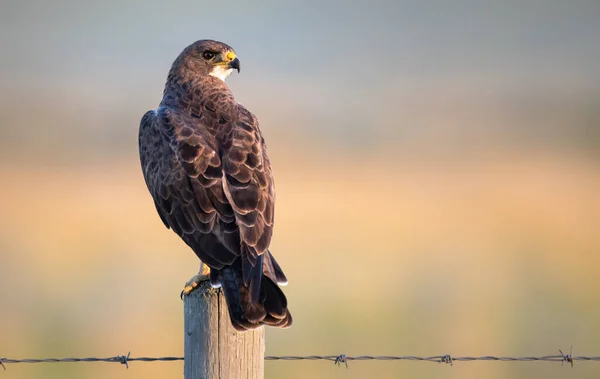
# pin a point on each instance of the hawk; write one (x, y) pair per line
(206, 166)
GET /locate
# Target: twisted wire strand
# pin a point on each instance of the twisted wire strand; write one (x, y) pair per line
(337, 359)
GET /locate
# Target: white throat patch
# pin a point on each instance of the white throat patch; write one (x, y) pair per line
(221, 72)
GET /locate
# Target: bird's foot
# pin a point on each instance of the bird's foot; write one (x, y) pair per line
(200, 277)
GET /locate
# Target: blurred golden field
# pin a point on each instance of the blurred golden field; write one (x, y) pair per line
(437, 175)
(390, 256)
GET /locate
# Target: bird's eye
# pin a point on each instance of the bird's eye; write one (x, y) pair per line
(208, 55)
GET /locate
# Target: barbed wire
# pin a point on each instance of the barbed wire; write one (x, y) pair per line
(337, 359)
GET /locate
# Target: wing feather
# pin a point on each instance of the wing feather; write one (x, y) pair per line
(248, 182)
(183, 173)
(248, 185)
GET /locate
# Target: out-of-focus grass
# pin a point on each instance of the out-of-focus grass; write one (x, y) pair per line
(386, 254)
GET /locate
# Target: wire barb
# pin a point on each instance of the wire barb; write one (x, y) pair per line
(567, 357)
(342, 358)
(123, 359)
(447, 359)
(2, 364)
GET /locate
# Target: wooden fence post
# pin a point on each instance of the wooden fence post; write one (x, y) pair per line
(213, 349)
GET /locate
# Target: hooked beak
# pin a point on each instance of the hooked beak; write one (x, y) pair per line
(235, 64)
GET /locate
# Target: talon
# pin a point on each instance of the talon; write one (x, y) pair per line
(191, 284)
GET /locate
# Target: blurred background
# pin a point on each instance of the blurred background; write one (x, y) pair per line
(437, 172)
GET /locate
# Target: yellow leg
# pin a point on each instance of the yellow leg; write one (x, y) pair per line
(201, 276)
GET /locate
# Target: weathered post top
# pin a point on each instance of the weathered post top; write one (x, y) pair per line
(213, 348)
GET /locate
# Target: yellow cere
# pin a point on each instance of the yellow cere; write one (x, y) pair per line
(230, 55)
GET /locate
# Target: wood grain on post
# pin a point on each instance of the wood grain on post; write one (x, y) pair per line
(213, 348)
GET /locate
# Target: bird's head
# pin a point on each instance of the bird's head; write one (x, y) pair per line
(208, 57)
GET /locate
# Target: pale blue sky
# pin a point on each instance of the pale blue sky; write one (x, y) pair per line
(347, 69)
